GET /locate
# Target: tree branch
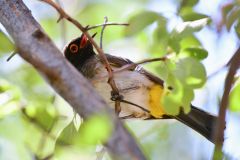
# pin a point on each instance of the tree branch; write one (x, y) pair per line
(219, 133)
(36, 47)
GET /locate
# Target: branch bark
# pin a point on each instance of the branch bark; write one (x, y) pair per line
(36, 47)
(234, 64)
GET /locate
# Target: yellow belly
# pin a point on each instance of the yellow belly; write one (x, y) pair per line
(155, 95)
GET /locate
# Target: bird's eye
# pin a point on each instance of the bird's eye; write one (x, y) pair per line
(73, 48)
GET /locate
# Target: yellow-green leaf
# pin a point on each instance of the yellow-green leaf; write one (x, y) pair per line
(190, 72)
(68, 135)
(184, 30)
(234, 103)
(141, 21)
(232, 17)
(96, 129)
(195, 52)
(188, 14)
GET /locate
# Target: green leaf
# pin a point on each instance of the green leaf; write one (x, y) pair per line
(190, 72)
(158, 49)
(161, 38)
(6, 45)
(179, 97)
(43, 116)
(9, 108)
(11, 90)
(195, 52)
(226, 9)
(161, 33)
(33, 89)
(190, 41)
(171, 104)
(188, 96)
(141, 21)
(234, 103)
(68, 135)
(4, 85)
(10, 98)
(162, 71)
(94, 130)
(237, 28)
(174, 43)
(188, 14)
(171, 101)
(189, 3)
(233, 16)
(185, 29)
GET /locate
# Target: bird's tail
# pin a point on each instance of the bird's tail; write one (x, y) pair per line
(199, 120)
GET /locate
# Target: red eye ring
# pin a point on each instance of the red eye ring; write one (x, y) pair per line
(73, 48)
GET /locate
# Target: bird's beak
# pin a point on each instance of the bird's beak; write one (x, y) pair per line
(84, 41)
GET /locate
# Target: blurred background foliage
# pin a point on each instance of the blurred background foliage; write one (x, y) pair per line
(199, 35)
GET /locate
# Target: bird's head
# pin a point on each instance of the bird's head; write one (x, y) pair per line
(79, 50)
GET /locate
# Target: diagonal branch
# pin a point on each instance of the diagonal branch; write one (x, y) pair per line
(234, 64)
(36, 48)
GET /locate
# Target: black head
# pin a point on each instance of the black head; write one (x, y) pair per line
(79, 50)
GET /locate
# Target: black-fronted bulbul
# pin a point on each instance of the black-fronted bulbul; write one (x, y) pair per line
(142, 89)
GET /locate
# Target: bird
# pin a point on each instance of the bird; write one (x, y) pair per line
(141, 90)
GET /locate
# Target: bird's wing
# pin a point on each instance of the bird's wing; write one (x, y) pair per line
(119, 62)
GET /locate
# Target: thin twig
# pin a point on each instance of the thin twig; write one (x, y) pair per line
(62, 27)
(102, 56)
(12, 55)
(136, 105)
(108, 24)
(127, 117)
(134, 65)
(102, 31)
(219, 132)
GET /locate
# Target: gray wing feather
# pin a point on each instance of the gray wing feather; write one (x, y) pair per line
(119, 62)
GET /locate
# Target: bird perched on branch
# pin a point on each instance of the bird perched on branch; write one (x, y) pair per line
(141, 91)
